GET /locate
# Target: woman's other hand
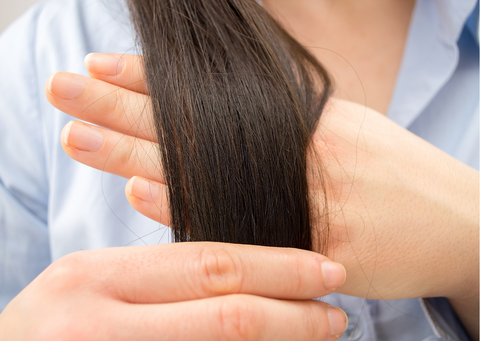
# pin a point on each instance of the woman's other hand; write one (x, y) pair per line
(404, 215)
(187, 291)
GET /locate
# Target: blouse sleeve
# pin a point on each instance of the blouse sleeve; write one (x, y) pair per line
(24, 237)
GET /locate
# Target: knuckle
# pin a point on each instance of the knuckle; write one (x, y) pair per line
(221, 272)
(112, 109)
(297, 283)
(238, 320)
(67, 273)
(149, 158)
(128, 158)
(313, 312)
(295, 267)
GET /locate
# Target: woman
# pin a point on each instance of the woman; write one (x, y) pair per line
(416, 267)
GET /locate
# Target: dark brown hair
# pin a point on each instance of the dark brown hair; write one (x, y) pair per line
(236, 100)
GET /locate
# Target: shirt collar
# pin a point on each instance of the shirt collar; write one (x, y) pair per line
(452, 17)
(472, 23)
(430, 56)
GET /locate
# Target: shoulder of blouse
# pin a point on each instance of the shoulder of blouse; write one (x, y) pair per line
(437, 94)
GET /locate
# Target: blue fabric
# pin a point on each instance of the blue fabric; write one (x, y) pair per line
(51, 205)
(472, 23)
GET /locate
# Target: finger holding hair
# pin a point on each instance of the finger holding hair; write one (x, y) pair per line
(123, 70)
(187, 291)
(112, 152)
(102, 104)
(149, 198)
(196, 270)
(235, 318)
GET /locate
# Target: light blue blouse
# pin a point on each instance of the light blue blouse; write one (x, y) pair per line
(51, 205)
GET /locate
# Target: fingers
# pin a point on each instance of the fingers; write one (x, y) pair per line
(83, 294)
(123, 70)
(186, 271)
(235, 317)
(103, 104)
(112, 152)
(125, 156)
(149, 198)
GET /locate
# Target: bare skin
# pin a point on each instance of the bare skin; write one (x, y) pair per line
(361, 44)
(182, 292)
(415, 229)
(393, 224)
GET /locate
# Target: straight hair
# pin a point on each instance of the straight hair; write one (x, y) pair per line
(235, 100)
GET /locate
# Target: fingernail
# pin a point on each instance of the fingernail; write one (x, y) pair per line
(82, 137)
(334, 275)
(144, 190)
(338, 321)
(104, 64)
(66, 85)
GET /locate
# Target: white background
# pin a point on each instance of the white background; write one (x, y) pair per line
(11, 10)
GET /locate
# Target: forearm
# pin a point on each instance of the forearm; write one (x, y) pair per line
(459, 218)
(467, 312)
(466, 301)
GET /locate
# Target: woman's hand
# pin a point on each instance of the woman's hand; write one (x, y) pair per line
(404, 215)
(187, 291)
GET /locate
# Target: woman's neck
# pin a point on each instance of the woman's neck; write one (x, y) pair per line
(360, 43)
